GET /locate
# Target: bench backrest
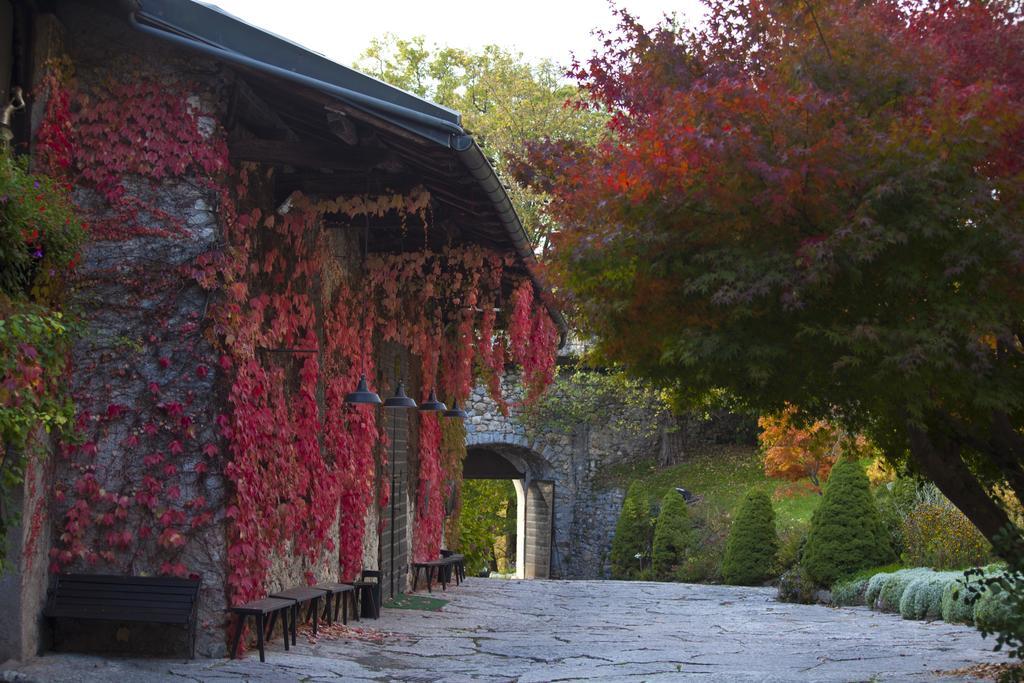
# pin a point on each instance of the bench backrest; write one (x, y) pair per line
(130, 598)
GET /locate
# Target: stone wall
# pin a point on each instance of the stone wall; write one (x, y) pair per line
(585, 511)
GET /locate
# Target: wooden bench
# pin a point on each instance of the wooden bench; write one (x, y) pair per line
(258, 610)
(139, 599)
(458, 565)
(343, 595)
(299, 596)
(441, 568)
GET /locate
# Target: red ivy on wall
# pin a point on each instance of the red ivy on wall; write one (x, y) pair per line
(300, 461)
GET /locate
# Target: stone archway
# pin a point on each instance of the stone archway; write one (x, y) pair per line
(535, 499)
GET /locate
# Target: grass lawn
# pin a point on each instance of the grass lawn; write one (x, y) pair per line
(722, 475)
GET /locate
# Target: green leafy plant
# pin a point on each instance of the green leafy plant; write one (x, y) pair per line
(39, 239)
(846, 533)
(673, 535)
(999, 599)
(753, 542)
(936, 534)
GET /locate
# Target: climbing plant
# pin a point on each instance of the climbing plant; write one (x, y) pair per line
(40, 234)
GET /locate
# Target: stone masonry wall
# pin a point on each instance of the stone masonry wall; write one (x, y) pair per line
(586, 512)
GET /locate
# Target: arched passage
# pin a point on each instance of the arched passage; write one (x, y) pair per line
(535, 494)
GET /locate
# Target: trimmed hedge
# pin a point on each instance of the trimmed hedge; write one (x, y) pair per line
(894, 586)
(846, 531)
(849, 592)
(673, 534)
(874, 588)
(922, 599)
(753, 542)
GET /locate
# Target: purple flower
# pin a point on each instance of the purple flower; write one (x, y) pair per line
(36, 184)
(38, 253)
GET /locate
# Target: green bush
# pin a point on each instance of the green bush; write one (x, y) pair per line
(874, 589)
(936, 534)
(895, 500)
(753, 544)
(849, 592)
(673, 534)
(631, 546)
(894, 586)
(846, 533)
(795, 586)
(992, 610)
(1000, 608)
(957, 608)
(792, 540)
(922, 598)
(703, 563)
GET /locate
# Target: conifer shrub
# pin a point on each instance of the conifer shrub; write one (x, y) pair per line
(846, 532)
(673, 534)
(753, 543)
(631, 545)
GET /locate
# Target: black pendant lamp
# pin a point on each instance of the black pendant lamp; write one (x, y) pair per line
(400, 400)
(432, 405)
(456, 411)
(362, 395)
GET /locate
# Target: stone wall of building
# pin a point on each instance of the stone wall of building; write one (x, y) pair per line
(572, 457)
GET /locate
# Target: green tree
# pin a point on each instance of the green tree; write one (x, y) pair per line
(846, 533)
(488, 514)
(673, 534)
(753, 542)
(631, 546)
(820, 204)
(506, 102)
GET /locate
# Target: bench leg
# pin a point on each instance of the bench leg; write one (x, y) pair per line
(284, 626)
(295, 619)
(430, 579)
(270, 628)
(259, 637)
(316, 613)
(238, 635)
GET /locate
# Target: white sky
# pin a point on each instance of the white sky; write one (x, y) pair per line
(341, 29)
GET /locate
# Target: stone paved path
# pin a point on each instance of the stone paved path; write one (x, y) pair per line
(524, 631)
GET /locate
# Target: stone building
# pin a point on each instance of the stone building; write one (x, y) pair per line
(197, 141)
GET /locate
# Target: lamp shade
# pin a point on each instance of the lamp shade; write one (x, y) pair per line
(400, 400)
(362, 395)
(432, 404)
(456, 411)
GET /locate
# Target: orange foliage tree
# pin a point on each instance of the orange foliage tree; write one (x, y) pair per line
(793, 452)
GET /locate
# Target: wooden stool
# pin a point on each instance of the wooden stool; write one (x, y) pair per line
(259, 609)
(369, 589)
(343, 594)
(298, 596)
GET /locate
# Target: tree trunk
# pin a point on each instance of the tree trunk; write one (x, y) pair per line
(940, 461)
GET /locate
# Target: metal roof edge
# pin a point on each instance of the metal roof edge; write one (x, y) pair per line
(476, 163)
(439, 130)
